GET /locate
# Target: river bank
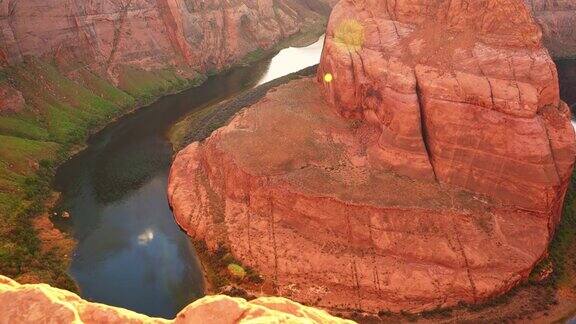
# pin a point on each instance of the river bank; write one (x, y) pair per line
(25, 198)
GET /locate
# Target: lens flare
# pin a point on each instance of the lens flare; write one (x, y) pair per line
(349, 35)
(328, 77)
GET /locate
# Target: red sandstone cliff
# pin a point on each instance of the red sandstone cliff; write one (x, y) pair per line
(558, 21)
(148, 34)
(430, 171)
(476, 87)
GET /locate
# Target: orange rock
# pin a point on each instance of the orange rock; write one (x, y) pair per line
(433, 173)
(40, 303)
(465, 92)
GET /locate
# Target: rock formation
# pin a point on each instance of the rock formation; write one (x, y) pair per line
(558, 21)
(427, 168)
(106, 35)
(41, 303)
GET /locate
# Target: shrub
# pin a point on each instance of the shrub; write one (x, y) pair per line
(236, 271)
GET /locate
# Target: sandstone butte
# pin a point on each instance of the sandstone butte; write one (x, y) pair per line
(430, 171)
(40, 303)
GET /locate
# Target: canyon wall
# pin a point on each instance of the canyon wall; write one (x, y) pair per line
(44, 304)
(558, 21)
(106, 35)
(424, 167)
(476, 87)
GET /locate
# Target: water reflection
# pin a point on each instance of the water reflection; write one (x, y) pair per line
(146, 237)
(130, 253)
(293, 59)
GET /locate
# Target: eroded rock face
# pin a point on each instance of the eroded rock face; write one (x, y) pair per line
(429, 171)
(148, 34)
(11, 100)
(476, 89)
(41, 303)
(558, 21)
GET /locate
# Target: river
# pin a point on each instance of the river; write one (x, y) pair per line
(130, 253)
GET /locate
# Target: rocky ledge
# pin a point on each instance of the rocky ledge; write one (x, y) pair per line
(40, 303)
(425, 166)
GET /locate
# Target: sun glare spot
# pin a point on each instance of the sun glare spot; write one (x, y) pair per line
(146, 237)
(349, 35)
(328, 77)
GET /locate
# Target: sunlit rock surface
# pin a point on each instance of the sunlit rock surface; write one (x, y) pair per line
(464, 94)
(426, 169)
(39, 303)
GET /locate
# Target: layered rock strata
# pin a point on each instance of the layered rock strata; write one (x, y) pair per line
(106, 35)
(427, 168)
(479, 97)
(41, 303)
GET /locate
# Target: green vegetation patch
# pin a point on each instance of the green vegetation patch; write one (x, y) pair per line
(148, 85)
(59, 115)
(20, 155)
(221, 268)
(563, 246)
(105, 89)
(22, 126)
(60, 109)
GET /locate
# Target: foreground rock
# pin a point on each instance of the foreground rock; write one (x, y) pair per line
(433, 173)
(558, 21)
(11, 100)
(43, 304)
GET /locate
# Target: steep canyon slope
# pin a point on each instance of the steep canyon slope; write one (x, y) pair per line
(69, 67)
(105, 35)
(426, 166)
